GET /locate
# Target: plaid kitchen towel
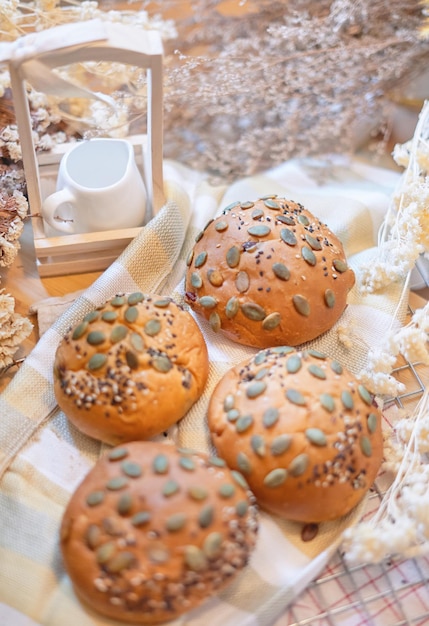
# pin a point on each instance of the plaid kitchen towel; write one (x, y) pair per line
(43, 458)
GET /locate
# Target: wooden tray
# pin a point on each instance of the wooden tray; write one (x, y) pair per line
(32, 58)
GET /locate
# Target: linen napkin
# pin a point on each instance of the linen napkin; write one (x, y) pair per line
(43, 458)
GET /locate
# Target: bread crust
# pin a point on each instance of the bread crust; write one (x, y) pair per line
(268, 273)
(305, 434)
(153, 531)
(131, 369)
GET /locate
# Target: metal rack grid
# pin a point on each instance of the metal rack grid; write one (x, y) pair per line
(391, 593)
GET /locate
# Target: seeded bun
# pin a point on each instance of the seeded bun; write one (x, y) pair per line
(131, 368)
(268, 273)
(152, 532)
(304, 433)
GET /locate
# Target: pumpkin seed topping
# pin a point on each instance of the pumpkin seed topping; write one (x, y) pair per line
(227, 490)
(160, 464)
(206, 516)
(132, 359)
(117, 454)
(189, 258)
(257, 443)
(247, 205)
(212, 545)
(152, 327)
(233, 257)
(118, 333)
(208, 302)
(241, 508)
(271, 321)
(295, 396)
(228, 402)
(365, 446)
(137, 342)
(215, 277)
(80, 330)
(197, 492)
(242, 281)
(175, 522)
(141, 518)
(158, 554)
(215, 321)
(286, 219)
(347, 400)
(92, 536)
(303, 219)
(281, 271)
(135, 298)
(132, 469)
(109, 316)
(340, 265)
(316, 436)
(92, 316)
(317, 354)
(196, 280)
(365, 395)
(256, 388)
(118, 301)
(170, 488)
(95, 337)
(105, 552)
(162, 302)
(372, 422)
(270, 417)
(293, 364)
(257, 214)
(276, 477)
(239, 479)
(308, 255)
(301, 304)
(253, 311)
(280, 444)
(317, 371)
(116, 483)
(329, 296)
(201, 259)
(327, 402)
(232, 415)
(231, 206)
(243, 423)
(260, 357)
(282, 349)
(162, 363)
(199, 236)
(216, 461)
(336, 367)
(262, 373)
(232, 307)
(260, 230)
(187, 463)
(195, 559)
(313, 242)
(243, 463)
(288, 237)
(221, 226)
(94, 498)
(120, 561)
(125, 503)
(299, 464)
(96, 362)
(271, 204)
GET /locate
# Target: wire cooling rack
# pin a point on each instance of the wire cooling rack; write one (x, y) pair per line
(392, 593)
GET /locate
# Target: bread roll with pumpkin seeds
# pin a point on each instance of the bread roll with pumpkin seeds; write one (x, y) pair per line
(153, 531)
(131, 368)
(268, 273)
(303, 431)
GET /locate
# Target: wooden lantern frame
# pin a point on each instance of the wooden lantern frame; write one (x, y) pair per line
(37, 54)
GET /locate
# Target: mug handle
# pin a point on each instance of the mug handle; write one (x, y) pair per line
(50, 206)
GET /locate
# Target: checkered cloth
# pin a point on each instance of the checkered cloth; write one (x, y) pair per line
(43, 458)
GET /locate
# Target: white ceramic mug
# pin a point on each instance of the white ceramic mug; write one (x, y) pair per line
(99, 187)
